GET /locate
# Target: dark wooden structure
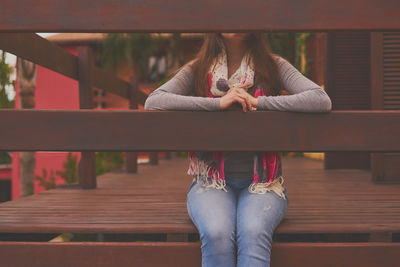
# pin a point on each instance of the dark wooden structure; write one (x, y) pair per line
(363, 72)
(326, 214)
(372, 210)
(385, 80)
(348, 85)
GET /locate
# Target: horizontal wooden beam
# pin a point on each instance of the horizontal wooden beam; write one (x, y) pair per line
(145, 130)
(188, 254)
(33, 47)
(197, 16)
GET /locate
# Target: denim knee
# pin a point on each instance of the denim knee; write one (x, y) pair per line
(258, 216)
(213, 212)
(220, 237)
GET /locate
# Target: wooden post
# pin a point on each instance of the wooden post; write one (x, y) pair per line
(168, 155)
(384, 166)
(153, 158)
(132, 156)
(87, 178)
(348, 92)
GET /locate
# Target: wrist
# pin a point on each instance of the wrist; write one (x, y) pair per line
(218, 103)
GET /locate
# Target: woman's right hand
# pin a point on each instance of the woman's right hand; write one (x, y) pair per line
(236, 95)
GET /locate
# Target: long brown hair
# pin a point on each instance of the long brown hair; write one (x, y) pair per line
(256, 44)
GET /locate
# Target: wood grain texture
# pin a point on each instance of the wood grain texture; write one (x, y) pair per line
(197, 16)
(179, 254)
(149, 130)
(385, 88)
(87, 172)
(154, 201)
(348, 68)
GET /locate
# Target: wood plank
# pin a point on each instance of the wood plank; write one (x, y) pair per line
(150, 130)
(197, 16)
(85, 79)
(131, 158)
(335, 202)
(37, 49)
(335, 254)
(100, 254)
(87, 168)
(347, 65)
(188, 254)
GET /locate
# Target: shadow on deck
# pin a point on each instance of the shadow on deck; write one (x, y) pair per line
(324, 205)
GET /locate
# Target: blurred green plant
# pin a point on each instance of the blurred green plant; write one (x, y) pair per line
(70, 169)
(5, 79)
(5, 158)
(131, 48)
(291, 46)
(283, 44)
(301, 61)
(69, 173)
(46, 182)
(107, 161)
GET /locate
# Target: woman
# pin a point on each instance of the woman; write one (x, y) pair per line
(235, 214)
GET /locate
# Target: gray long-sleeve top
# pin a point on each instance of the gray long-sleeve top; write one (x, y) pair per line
(304, 96)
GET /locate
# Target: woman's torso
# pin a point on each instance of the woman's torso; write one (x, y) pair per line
(239, 164)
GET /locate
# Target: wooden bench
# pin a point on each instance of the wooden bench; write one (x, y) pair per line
(327, 214)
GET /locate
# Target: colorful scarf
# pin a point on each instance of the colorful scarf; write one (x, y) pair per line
(267, 167)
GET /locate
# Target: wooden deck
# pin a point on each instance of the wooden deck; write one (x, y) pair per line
(154, 201)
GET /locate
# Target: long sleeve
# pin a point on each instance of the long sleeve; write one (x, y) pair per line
(305, 95)
(174, 95)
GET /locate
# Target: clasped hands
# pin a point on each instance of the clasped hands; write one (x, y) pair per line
(238, 98)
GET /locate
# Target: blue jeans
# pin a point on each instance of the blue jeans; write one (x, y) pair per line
(235, 227)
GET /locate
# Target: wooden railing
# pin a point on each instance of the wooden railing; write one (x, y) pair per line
(197, 16)
(182, 131)
(128, 16)
(33, 47)
(82, 69)
(139, 130)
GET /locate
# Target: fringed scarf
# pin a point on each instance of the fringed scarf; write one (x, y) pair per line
(267, 167)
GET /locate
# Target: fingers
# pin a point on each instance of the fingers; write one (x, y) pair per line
(242, 97)
(247, 97)
(248, 102)
(239, 99)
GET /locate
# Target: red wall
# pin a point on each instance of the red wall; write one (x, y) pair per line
(53, 91)
(5, 173)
